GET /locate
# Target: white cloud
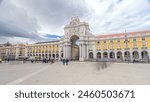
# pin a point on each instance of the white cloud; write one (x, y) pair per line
(30, 19)
(118, 15)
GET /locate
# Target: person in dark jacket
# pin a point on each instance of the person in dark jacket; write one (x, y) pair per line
(67, 61)
(64, 61)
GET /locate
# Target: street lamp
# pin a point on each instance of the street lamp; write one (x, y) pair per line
(126, 42)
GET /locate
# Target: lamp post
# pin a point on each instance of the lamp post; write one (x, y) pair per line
(126, 42)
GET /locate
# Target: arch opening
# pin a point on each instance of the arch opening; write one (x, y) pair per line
(144, 55)
(105, 55)
(91, 55)
(74, 47)
(135, 55)
(119, 56)
(127, 55)
(112, 55)
(98, 55)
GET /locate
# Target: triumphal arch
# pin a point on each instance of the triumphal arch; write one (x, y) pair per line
(78, 41)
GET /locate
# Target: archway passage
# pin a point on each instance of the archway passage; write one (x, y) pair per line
(127, 55)
(91, 55)
(144, 55)
(98, 55)
(119, 56)
(135, 55)
(105, 55)
(112, 55)
(74, 47)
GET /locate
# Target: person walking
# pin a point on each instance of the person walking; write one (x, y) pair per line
(67, 61)
(63, 61)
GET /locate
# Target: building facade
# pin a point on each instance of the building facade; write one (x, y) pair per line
(80, 44)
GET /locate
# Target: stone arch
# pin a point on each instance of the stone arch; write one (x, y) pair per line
(144, 54)
(112, 55)
(135, 55)
(119, 55)
(105, 55)
(53, 56)
(57, 55)
(91, 55)
(98, 55)
(127, 55)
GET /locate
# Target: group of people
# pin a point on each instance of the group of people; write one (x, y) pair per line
(43, 60)
(65, 61)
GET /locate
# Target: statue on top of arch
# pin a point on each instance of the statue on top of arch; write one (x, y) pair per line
(75, 20)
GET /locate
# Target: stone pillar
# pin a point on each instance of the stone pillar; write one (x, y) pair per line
(123, 57)
(102, 55)
(17, 52)
(131, 56)
(94, 51)
(115, 55)
(80, 49)
(68, 51)
(140, 56)
(26, 51)
(148, 54)
(87, 52)
(59, 52)
(108, 55)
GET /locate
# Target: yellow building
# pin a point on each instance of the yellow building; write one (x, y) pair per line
(49, 50)
(124, 46)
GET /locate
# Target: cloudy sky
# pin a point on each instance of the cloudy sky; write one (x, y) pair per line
(31, 21)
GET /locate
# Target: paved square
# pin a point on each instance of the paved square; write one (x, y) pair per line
(76, 73)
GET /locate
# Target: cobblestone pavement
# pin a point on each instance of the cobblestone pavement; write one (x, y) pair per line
(76, 73)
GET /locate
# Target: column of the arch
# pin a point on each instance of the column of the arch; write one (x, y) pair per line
(80, 49)
(68, 51)
(84, 51)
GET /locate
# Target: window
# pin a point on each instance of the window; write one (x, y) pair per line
(118, 43)
(104, 44)
(143, 42)
(126, 43)
(134, 43)
(143, 38)
(111, 44)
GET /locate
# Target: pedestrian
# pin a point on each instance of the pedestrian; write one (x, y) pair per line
(8, 59)
(63, 61)
(52, 61)
(67, 61)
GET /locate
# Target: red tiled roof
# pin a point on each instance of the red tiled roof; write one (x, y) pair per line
(120, 34)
